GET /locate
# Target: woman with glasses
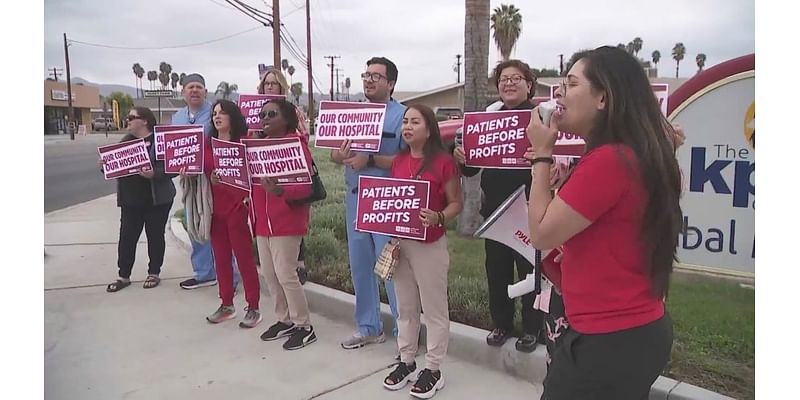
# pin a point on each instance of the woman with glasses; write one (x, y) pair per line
(515, 84)
(144, 200)
(280, 228)
(617, 217)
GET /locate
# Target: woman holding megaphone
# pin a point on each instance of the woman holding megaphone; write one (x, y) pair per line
(618, 217)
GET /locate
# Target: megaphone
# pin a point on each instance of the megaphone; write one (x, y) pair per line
(508, 225)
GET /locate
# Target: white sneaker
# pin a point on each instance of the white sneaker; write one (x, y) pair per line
(357, 340)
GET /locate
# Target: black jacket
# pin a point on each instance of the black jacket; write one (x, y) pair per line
(498, 184)
(138, 191)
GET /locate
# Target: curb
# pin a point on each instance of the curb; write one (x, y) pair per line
(466, 342)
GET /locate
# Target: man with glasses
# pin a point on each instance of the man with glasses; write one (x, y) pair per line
(198, 111)
(379, 81)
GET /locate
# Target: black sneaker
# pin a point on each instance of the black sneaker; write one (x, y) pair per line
(302, 274)
(428, 382)
(192, 283)
(401, 375)
(301, 337)
(497, 337)
(527, 343)
(277, 331)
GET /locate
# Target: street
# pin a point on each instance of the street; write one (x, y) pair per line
(71, 175)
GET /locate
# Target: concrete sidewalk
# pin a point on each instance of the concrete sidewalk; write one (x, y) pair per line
(156, 344)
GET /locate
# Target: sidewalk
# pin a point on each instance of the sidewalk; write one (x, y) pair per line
(156, 344)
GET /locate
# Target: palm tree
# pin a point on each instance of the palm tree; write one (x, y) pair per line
(152, 76)
(656, 57)
(476, 70)
(677, 54)
(701, 62)
(637, 45)
(226, 89)
(629, 48)
(296, 90)
(165, 71)
(181, 78)
(284, 64)
(139, 72)
(290, 71)
(174, 81)
(347, 88)
(507, 27)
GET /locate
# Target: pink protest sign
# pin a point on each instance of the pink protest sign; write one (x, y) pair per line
(282, 159)
(184, 150)
(390, 206)
(496, 139)
(251, 104)
(159, 131)
(360, 122)
(230, 162)
(124, 159)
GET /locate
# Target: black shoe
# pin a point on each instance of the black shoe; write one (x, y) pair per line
(497, 337)
(428, 382)
(401, 375)
(192, 283)
(302, 273)
(277, 331)
(301, 337)
(527, 343)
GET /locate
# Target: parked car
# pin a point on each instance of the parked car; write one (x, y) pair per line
(101, 124)
(447, 113)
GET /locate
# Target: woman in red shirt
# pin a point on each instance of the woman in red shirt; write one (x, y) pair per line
(618, 217)
(420, 277)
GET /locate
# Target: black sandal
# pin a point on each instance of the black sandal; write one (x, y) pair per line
(151, 281)
(118, 285)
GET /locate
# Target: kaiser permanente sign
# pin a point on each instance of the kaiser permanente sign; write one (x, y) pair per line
(717, 111)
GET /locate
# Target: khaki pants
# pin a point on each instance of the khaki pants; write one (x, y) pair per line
(420, 281)
(278, 257)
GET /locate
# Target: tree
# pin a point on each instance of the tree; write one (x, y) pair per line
(290, 71)
(629, 48)
(125, 102)
(544, 73)
(226, 89)
(637, 45)
(152, 76)
(139, 72)
(174, 77)
(701, 62)
(507, 27)
(476, 71)
(296, 90)
(284, 64)
(656, 57)
(181, 78)
(163, 77)
(677, 54)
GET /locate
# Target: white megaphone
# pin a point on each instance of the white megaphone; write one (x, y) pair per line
(522, 287)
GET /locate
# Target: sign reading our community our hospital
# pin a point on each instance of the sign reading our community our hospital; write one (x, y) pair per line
(184, 151)
(124, 159)
(361, 123)
(716, 109)
(282, 159)
(496, 139)
(159, 131)
(391, 206)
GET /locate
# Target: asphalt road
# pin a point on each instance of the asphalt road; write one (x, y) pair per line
(71, 175)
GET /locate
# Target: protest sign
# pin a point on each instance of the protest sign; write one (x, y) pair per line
(496, 139)
(362, 123)
(124, 159)
(184, 150)
(390, 206)
(282, 159)
(159, 131)
(251, 104)
(230, 163)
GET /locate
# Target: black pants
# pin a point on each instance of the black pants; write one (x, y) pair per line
(500, 260)
(620, 365)
(153, 219)
(556, 324)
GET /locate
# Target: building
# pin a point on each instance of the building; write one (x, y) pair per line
(84, 98)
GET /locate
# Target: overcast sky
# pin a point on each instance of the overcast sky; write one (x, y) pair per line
(421, 36)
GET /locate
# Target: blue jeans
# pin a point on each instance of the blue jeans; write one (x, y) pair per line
(203, 263)
(364, 249)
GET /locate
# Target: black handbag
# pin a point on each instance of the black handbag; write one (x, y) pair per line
(318, 191)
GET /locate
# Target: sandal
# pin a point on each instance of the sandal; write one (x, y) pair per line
(151, 281)
(118, 285)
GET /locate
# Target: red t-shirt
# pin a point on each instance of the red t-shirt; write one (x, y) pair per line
(604, 280)
(438, 173)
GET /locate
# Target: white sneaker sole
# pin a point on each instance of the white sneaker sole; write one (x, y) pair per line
(367, 341)
(399, 385)
(200, 285)
(249, 325)
(223, 319)
(427, 395)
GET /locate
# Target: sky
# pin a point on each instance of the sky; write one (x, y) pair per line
(421, 36)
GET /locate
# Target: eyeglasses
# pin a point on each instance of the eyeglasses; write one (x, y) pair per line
(372, 77)
(270, 114)
(133, 117)
(268, 83)
(513, 79)
(563, 86)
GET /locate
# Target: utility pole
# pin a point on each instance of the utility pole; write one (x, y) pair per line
(276, 34)
(332, 64)
(69, 90)
(56, 73)
(561, 65)
(458, 67)
(308, 61)
(338, 87)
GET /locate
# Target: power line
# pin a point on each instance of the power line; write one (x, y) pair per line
(108, 46)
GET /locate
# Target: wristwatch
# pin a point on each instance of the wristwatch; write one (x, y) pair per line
(371, 161)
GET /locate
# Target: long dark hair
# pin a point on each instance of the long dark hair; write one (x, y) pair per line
(147, 116)
(433, 146)
(238, 122)
(633, 117)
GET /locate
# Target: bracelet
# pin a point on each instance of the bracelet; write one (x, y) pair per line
(548, 160)
(441, 218)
